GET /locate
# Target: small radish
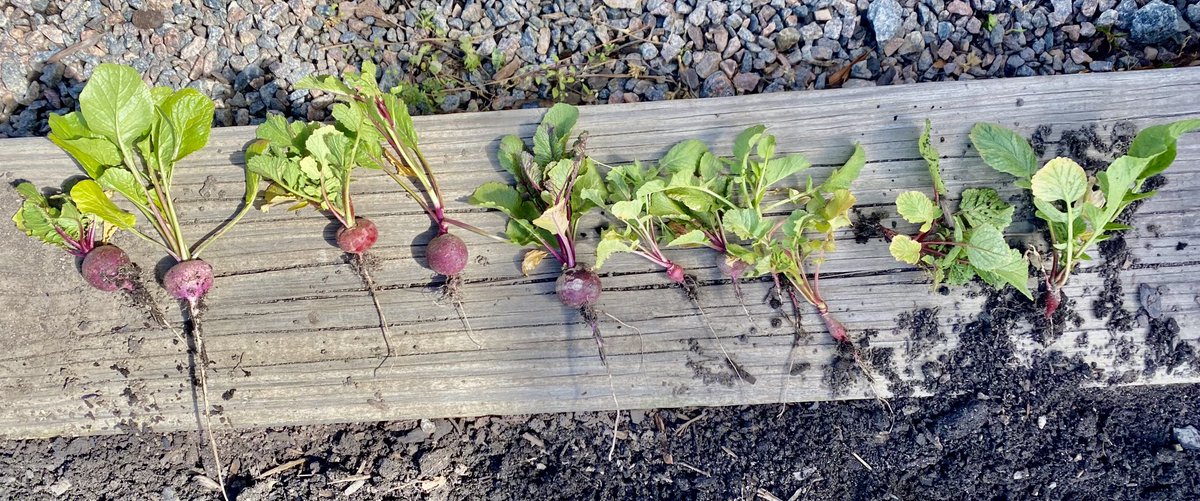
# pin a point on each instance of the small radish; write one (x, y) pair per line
(108, 268)
(578, 287)
(446, 254)
(359, 238)
(189, 280)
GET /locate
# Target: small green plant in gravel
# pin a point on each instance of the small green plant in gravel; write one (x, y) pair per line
(128, 138)
(1080, 210)
(955, 247)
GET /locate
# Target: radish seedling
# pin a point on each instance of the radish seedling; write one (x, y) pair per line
(311, 164)
(552, 188)
(788, 246)
(1080, 210)
(669, 204)
(395, 149)
(128, 137)
(955, 247)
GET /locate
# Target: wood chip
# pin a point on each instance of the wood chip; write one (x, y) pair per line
(281, 468)
(765, 494)
(358, 484)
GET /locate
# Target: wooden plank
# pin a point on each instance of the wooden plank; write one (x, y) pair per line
(294, 338)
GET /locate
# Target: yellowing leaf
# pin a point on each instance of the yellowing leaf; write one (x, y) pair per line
(916, 207)
(905, 249)
(531, 260)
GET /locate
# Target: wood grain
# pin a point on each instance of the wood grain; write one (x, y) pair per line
(294, 338)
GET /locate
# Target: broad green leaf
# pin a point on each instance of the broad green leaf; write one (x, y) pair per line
(1004, 150)
(160, 93)
(742, 146)
(1047, 211)
(689, 239)
(683, 157)
(983, 206)
(844, 176)
(116, 104)
(497, 196)
(330, 147)
(837, 210)
(610, 244)
(1014, 272)
(915, 207)
(166, 141)
(562, 117)
(1118, 180)
(745, 223)
(626, 210)
(986, 248)
(905, 249)
(1060, 179)
(765, 147)
(191, 114)
(557, 175)
(33, 219)
(651, 188)
(325, 83)
(69, 126)
(932, 159)
(276, 130)
(1157, 143)
(122, 181)
(30, 193)
(511, 148)
(779, 169)
(91, 199)
(92, 153)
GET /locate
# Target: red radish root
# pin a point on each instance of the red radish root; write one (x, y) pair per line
(359, 238)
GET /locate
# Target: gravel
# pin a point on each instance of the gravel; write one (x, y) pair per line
(247, 54)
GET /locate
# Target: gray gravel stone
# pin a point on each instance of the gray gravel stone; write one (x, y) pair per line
(1153, 23)
(811, 31)
(787, 38)
(745, 82)
(1107, 18)
(1062, 12)
(717, 85)
(885, 17)
(1099, 66)
(1188, 437)
(1193, 12)
(706, 63)
(1079, 56)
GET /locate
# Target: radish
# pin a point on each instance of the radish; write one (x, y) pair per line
(676, 202)
(553, 187)
(312, 164)
(56, 220)
(128, 138)
(381, 116)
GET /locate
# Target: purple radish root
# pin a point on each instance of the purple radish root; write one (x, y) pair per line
(189, 280)
(578, 287)
(446, 255)
(108, 268)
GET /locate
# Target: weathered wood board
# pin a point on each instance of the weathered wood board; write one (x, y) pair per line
(294, 337)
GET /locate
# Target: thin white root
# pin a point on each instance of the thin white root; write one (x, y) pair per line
(641, 341)
(737, 370)
(203, 375)
(612, 449)
(383, 324)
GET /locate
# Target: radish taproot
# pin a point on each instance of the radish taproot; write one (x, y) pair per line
(311, 164)
(127, 138)
(384, 117)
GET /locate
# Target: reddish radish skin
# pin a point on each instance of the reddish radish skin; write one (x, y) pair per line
(1052, 301)
(446, 255)
(104, 267)
(189, 280)
(675, 273)
(578, 287)
(358, 238)
(835, 328)
(730, 266)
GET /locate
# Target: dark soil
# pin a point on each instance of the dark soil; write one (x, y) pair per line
(998, 428)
